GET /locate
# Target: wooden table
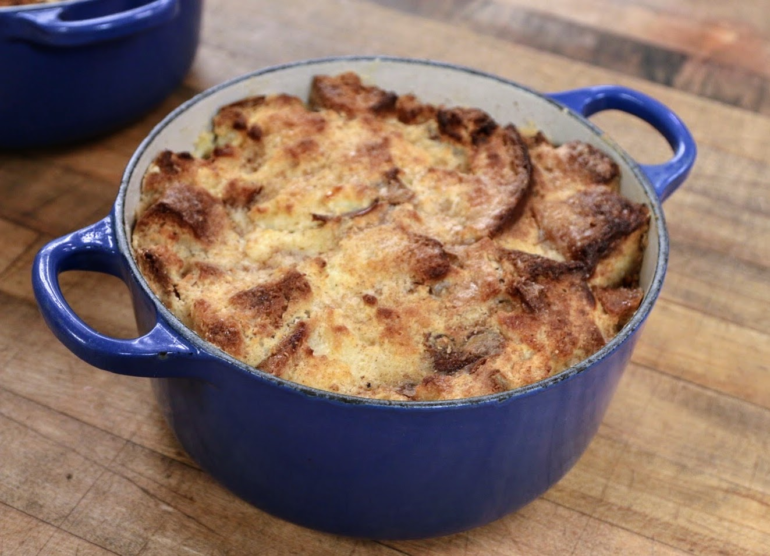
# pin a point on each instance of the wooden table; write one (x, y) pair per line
(681, 464)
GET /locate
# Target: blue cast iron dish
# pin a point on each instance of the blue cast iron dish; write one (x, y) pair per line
(80, 68)
(354, 466)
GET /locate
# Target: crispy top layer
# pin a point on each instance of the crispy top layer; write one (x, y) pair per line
(370, 244)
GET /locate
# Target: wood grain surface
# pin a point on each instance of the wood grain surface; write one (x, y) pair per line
(681, 464)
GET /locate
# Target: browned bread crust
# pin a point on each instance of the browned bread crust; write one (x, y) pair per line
(347, 95)
(370, 244)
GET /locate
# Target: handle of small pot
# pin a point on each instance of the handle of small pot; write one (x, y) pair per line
(159, 354)
(666, 177)
(61, 26)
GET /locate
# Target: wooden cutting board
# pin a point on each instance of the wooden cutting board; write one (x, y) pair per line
(681, 464)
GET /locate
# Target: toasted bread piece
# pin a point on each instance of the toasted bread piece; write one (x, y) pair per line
(345, 93)
(592, 224)
(576, 213)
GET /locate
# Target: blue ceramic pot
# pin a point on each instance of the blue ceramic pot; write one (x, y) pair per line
(75, 69)
(348, 465)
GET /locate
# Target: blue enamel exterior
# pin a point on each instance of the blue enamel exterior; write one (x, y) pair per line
(86, 67)
(364, 468)
(387, 471)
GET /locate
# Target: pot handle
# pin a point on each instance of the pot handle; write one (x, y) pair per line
(158, 354)
(59, 26)
(665, 178)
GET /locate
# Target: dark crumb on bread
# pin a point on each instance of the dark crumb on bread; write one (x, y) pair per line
(187, 207)
(286, 349)
(270, 300)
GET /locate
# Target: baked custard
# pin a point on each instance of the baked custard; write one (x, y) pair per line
(373, 245)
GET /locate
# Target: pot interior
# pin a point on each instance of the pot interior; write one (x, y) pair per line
(431, 82)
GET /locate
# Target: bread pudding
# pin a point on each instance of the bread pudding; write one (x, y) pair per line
(374, 245)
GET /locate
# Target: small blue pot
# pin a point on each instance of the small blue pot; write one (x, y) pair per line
(76, 69)
(353, 466)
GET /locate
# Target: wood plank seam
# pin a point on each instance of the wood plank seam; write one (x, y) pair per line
(11, 217)
(651, 533)
(161, 501)
(600, 48)
(611, 524)
(110, 467)
(682, 241)
(703, 34)
(86, 424)
(19, 257)
(726, 201)
(389, 546)
(579, 538)
(56, 527)
(699, 385)
(73, 509)
(702, 310)
(38, 520)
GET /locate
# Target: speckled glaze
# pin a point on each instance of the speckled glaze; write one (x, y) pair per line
(358, 467)
(79, 68)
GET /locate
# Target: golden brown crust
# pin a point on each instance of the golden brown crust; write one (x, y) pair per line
(586, 226)
(467, 126)
(556, 306)
(170, 168)
(187, 207)
(619, 303)
(572, 166)
(463, 205)
(269, 301)
(240, 193)
(393, 191)
(449, 354)
(158, 263)
(222, 331)
(428, 259)
(377, 246)
(345, 93)
(532, 277)
(410, 110)
(593, 164)
(285, 351)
